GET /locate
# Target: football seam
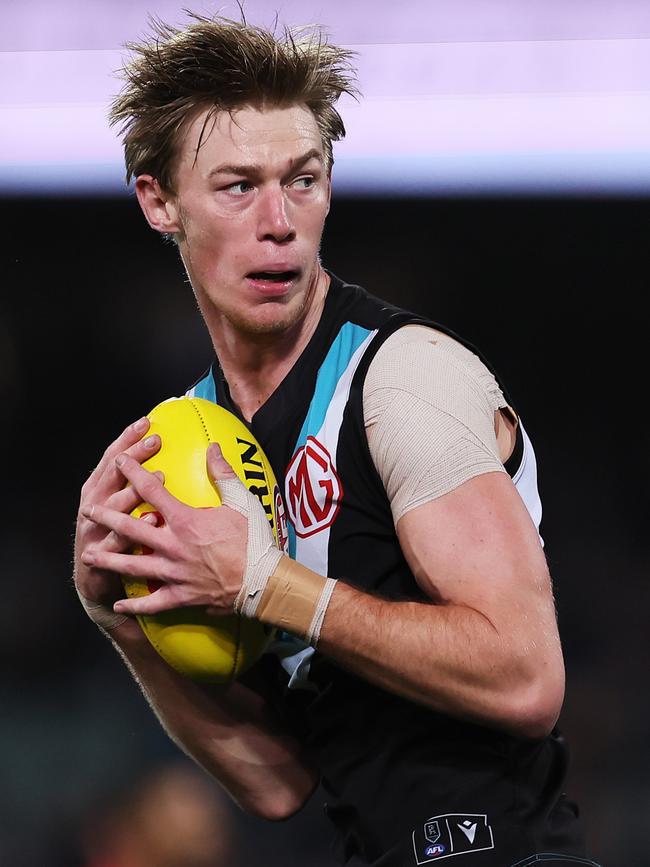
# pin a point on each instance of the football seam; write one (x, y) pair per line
(235, 662)
(201, 419)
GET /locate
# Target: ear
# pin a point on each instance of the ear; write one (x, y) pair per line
(158, 206)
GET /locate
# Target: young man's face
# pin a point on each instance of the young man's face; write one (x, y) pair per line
(250, 214)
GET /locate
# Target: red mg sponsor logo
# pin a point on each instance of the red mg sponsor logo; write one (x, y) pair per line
(313, 489)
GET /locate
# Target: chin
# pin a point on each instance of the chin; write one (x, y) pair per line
(266, 320)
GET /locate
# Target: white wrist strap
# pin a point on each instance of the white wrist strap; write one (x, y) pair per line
(319, 615)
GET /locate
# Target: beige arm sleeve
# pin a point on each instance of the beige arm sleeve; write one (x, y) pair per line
(429, 406)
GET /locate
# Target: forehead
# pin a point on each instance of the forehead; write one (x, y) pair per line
(267, 137)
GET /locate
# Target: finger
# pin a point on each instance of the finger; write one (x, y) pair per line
(218, 466)
(117, 543)
(124, 501)
(129, 436)
(133, 565)
(144, 448)
(135, 530)
(232, 490)
(112, 480)
(148, 485)
(128, 498)
(161, 600)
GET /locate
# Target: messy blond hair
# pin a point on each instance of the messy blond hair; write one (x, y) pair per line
(222, 65)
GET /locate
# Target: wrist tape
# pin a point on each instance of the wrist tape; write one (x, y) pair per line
(100, 614)
(275, 589)
(295, 599)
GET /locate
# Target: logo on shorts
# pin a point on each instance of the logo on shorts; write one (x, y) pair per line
(451, 834)
(313, 489)
(432, 831)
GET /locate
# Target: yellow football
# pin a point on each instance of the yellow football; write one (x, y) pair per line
(202, 647)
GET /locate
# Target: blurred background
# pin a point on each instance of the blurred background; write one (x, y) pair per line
(496, 177)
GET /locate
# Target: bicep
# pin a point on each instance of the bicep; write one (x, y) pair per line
(477, 546)
(476, 551)
(430, 410)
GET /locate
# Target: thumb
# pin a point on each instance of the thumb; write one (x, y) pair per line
(232, 490)
(218, 466)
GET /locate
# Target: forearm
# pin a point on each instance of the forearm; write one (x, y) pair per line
(489, 651)
(447, 657)
(226, 728)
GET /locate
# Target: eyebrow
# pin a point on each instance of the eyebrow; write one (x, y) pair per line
(255, 170)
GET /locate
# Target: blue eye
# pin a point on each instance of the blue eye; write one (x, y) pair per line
(305, 182)
(240, 188)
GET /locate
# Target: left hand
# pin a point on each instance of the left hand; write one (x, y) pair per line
(199, 555)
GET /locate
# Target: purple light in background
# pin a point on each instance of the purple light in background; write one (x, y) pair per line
(576, 112)
(107, 24)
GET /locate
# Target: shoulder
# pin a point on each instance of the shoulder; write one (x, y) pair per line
(434, 366)
(429, 412)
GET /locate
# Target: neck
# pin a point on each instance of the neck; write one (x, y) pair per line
(255, 364)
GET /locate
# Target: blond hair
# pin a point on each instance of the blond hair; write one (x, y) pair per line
(222, 65)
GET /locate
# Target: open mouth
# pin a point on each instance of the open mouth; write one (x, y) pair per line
(273, 276)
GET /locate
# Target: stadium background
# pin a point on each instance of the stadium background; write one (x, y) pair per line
(98, 324)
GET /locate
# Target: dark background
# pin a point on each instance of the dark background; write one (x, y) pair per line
(98, 324)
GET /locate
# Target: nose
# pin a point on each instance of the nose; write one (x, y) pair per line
(274, 217)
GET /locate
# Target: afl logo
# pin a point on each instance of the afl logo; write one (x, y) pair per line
(313, 489)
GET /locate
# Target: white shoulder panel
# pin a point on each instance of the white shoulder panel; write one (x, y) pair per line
(525, 480)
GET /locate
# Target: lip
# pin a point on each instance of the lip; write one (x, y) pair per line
(269, 287)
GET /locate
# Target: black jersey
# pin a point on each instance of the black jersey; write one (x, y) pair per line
(405, 784)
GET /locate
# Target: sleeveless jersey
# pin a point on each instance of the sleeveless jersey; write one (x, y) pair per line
(404, 784)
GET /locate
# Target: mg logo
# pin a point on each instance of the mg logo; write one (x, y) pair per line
(313, 489)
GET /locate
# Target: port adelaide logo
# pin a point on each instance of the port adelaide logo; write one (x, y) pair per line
(450, 834)
(313, 490)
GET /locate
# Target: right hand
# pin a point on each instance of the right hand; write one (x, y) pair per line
(98, 588)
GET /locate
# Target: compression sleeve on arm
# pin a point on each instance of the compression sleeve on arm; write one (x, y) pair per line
(429, 405)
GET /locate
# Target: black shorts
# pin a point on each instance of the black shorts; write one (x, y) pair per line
(475, 840)
(397, 858)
